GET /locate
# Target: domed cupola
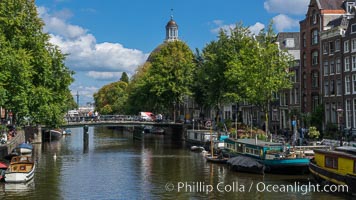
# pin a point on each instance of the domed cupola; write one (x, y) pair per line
(171, 30)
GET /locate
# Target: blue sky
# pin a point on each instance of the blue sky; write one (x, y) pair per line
(105, 38)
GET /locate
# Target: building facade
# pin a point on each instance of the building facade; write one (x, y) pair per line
(319, 14)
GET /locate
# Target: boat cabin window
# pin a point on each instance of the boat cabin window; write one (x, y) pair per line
(331, 162)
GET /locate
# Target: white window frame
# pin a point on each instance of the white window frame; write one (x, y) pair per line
(353, 62)
(337, 45)
(353, 45)
(347, 84)
(347, 64)
(346, 46)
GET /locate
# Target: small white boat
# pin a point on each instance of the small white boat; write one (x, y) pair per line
(67, 132)
(197, 148)
(21, 169)
(24, 148)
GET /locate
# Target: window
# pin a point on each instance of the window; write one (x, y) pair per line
(331, 162)
(332, 67)
(353, 45)
(315, 37)
(325, 48)
(337, 45)
(304, 40)
(353, 28)
(327, 113)
(314, 17)
(332, 87)
(349, 6)
(353, 62)
(304, 80)
(315, 58)
(347, 64)
(354, 114)
(315, 80)
(304, 59)
(348, 113)
(347, 84)
(354, 83)
(338, 87)
(326, 68)
(326, 88)
(296, 92)
(338, 65)
(331, 48)
(346, 46)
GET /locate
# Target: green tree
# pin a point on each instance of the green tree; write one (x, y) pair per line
(268, 74)
(111, 98)
(222, 74)
(239, 67)
(124, 77)
(35, 80)
(169, 78)
(138, 91)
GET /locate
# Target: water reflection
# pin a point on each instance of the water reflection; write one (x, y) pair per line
(118, 167)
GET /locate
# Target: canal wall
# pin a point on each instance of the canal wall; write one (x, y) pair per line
(5, 149)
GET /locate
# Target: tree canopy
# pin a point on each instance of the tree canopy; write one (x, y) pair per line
(34, 83)
(111, 98)
(164, 80)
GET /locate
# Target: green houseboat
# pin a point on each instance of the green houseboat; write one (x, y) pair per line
(276, 157)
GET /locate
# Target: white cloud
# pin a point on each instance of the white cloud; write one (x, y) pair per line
(114, 76)
(295, 7)
(255, 29)
(283, 22)
(95, 64)
(85, 54)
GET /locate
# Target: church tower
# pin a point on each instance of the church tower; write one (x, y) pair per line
(171, 30)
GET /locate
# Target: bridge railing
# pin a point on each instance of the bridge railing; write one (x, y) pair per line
(102, 118)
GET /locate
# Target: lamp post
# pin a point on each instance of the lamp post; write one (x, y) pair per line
(174, 111)
(339, 115)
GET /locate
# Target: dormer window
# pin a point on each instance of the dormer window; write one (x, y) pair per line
(289, 43)
(349, 6)
(314, 17)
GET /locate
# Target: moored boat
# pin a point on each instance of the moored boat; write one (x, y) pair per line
(67, 132)
(197, 148)
(246, 164)
(276, 157)
(24, 148)
(157, 130)
(55, 134)
(21, 169)
(216, 159)
(336, 166)
(3, 167)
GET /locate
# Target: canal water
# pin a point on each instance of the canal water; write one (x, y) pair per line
(115, 166)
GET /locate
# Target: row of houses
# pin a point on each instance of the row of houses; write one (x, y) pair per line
(324, 71)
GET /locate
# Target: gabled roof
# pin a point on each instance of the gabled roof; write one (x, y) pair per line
(341, 21)
(331, 4)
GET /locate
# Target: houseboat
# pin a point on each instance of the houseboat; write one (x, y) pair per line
(203, 138)
(276, 157)
(21, 169)
(336, 166)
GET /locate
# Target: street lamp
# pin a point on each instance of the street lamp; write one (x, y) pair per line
(339, 115)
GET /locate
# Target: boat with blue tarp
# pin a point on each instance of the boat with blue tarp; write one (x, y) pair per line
(276, 157)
